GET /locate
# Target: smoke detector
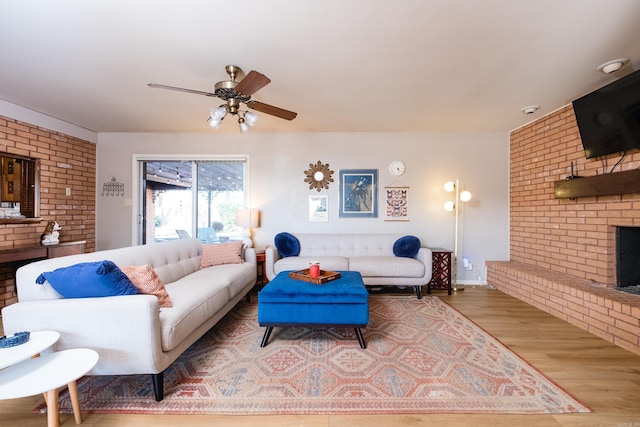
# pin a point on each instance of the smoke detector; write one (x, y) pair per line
(530, 109)
(612, 66)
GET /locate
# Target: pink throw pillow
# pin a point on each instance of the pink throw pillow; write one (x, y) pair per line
(145, 278)
(221, 253)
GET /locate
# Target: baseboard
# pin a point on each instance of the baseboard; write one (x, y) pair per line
(472, 282)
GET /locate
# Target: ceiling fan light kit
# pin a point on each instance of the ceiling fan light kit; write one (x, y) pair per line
(235, 94)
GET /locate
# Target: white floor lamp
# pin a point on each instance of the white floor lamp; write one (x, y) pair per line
(453, 206)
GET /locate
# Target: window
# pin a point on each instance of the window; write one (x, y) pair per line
(195, 198)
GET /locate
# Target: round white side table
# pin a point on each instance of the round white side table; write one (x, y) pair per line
(46, 374)
(38, 341)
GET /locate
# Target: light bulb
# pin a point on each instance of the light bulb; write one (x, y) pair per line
(449, 186)
(449, 206)
(215, 124)
(465, 196)
(243, 126)
(218, 113)
(251, 118)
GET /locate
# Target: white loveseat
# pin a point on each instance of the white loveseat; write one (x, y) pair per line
(371, 255)
(133, 334)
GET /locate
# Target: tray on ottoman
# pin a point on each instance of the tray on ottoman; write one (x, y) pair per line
(324, 277)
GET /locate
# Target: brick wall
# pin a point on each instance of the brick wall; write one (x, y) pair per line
(568, 236)
(65, 162)
(562, 256)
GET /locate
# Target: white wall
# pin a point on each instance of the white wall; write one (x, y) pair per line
(277, 187)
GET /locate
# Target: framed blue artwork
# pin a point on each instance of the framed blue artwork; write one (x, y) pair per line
(358, 193)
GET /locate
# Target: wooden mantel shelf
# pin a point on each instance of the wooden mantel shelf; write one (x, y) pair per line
(37, 251)
(627, 182)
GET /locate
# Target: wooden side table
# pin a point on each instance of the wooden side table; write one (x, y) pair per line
(262, 272)
(442, 260)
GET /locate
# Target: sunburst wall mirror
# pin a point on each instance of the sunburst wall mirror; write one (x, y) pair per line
(318, 176)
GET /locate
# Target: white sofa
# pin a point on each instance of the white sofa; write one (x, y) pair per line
(369, 254)
(133, 334)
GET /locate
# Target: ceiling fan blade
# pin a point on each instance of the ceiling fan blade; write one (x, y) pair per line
(180, 89)
(271, 110)
(252, 82)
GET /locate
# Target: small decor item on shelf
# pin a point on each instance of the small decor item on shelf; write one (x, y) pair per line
(14, 340)
(323, 276)
(51, 234)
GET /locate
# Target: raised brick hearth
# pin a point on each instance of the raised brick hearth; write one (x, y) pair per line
(603, 311)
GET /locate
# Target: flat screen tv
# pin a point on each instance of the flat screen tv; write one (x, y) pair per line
(609, 118)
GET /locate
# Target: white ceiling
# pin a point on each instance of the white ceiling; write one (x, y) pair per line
(343, 65)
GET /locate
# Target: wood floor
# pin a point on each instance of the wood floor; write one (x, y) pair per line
(604, 377)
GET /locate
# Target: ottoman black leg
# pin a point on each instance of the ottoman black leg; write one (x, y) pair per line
(418, 290)
(360, 338)
(267, 334)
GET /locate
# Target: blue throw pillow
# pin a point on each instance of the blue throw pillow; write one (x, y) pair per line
(89, 279)
(406, 246)
(287, 244)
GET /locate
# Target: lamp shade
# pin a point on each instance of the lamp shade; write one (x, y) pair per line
(218, 113)
(250, 118)
(248, 218)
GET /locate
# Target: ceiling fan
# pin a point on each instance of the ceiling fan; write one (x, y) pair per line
(236, 93)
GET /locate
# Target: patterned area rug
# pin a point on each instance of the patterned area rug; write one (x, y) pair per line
(422, 356)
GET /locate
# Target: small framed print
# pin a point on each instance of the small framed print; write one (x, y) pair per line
(397, 203)
(318, 208)
(358, 193)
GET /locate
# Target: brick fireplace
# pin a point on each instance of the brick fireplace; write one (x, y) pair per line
(627, 257)
(65, 162)
(563, 251)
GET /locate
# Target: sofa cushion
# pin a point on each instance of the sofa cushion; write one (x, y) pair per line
(287, 244)
(147, 281)
(89, 279)
(196, 298)
(387, 266)
(406, 246)
(221, 253)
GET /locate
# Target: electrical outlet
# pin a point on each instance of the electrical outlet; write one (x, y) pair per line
(67, 191)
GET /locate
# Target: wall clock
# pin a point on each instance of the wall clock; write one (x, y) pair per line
(318, 176)
(396, 168)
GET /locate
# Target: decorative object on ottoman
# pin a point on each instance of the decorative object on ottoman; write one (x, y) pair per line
(51, 235)
(323, 276)
(288, 302)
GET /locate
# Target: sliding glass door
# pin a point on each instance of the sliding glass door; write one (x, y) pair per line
(191, 198)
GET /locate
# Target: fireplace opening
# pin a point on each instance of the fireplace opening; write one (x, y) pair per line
(628, 259)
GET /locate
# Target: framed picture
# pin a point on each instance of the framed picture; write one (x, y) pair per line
(397, 203)
(358, 193)
(318, 208)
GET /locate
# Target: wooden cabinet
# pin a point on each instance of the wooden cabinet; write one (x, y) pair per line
(19, 187)
(64, 249)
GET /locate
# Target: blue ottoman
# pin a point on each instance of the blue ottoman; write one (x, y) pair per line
(343, 302)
